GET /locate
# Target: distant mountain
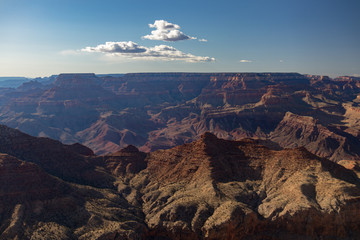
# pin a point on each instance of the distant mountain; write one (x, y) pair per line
(162, 110)
(12, 82)
(116, 75)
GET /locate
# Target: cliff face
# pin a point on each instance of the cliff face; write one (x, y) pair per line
(331, 142)
(162, 110)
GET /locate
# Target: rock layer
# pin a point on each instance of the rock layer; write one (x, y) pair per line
(329, 142)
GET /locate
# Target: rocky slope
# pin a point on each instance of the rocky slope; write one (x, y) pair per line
(208, 189)
(39, 200)
(330, 142)
(69, 162)
(36, 205)
(218, 189)
(163, 110)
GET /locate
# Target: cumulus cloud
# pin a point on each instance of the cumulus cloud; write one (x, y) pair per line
(245, 61)
(162, 24)
(202, 40)
(166, 31)
(116, 47)
(135, 51)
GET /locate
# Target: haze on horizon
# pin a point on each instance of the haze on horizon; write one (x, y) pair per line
(45, 37)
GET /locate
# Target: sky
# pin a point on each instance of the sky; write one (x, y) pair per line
(46, 37)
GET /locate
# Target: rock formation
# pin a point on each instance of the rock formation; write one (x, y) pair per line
(37, 205)
(219, 189)
(208, 189)
(331, 142)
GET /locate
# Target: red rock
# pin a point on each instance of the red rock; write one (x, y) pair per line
(221, 189)
(126, 162)
(22, 180)
(305, 131)
(68, 162)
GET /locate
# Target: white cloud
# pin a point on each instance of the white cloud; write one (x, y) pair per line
(281, 61)
(245, 61)
(116, 47)
(166, 31)
(202, 40)
(162, 24)
(135, 51)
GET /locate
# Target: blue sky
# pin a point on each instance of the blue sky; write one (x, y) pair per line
(45, 37)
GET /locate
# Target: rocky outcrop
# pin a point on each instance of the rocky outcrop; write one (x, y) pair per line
(35, 205)
(305, 131)
(31, 85)
(219, 189)
(71, 80)
(25, 180)
(68, 162)
(116, 131)
(126, 162)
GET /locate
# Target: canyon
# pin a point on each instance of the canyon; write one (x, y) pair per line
(180, 156)
(162, 110)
